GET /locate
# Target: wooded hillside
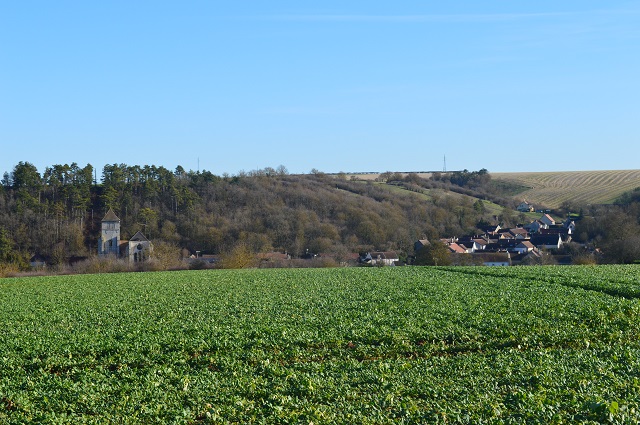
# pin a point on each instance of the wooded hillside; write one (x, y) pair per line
(57, 213)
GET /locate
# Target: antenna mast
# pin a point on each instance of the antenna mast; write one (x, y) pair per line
(444, 166)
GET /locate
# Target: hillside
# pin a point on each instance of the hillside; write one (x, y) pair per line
(57, 214)
(435, 195)
(551, 189)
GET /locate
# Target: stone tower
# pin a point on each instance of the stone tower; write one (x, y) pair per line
(109, 241)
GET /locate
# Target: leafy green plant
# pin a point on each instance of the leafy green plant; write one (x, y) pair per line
(352, 345)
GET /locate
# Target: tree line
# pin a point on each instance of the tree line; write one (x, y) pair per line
(57, 213)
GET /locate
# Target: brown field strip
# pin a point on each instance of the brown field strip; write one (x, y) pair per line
(551, 189)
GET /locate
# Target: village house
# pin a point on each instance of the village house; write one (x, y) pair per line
(570, 225)
(534, 226)
(491, 229)
(472, 244)
(519, 233)
(524, 246)
(547, 220)
(546, 241)
(419, 244)
(534, 256)
(513, 244)
(525, 207)
(457, 249)
(565, 234)
(386, 258)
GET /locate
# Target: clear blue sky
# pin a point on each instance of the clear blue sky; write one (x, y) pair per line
(332, 85)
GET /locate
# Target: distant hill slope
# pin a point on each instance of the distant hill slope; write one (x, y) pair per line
(431, 194)
(551, 189)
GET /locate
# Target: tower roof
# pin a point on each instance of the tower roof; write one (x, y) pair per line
(110, 216)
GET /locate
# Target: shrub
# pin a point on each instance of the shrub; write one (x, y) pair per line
(8, 270)
(102, 265)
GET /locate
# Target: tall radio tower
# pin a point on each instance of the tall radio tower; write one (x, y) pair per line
(444, 166)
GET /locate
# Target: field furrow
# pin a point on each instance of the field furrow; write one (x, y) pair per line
(359, 345)
(551, 189)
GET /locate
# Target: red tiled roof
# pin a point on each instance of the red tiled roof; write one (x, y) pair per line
(454, 247)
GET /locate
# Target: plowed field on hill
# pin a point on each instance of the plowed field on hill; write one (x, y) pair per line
(551, 189)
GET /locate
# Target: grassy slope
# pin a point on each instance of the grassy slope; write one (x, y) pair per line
(583, 187)
(412, 345)
(429, 194)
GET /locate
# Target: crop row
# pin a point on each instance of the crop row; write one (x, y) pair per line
(394, 345)
(553, 188)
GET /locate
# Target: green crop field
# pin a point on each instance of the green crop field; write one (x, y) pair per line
(323, 346)
(551, 189)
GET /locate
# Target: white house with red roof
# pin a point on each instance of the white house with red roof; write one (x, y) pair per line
(548, 220)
